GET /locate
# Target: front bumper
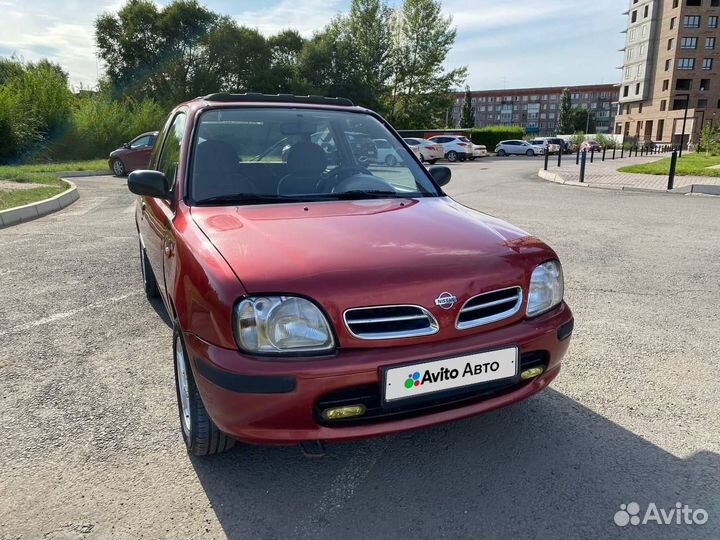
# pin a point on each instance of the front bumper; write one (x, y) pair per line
(271, 401)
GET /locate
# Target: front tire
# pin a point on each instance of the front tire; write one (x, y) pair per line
(530, 153)
(150, 285)
(390, 161)
(202, 437)
(451, 156)
(502, 153)
(118, 167)
(433, 161)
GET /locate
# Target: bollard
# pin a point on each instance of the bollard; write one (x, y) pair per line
(592, 153)
(622, 151)
(560, 156)
(641, 151)
(614, 147)
(577, 156)
(547, 154)
(673, 164)
(582, 165)
(603, 156)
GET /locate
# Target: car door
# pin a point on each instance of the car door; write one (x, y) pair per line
(139, 155)
(156, 214)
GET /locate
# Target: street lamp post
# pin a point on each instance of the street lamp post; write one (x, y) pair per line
(682, 134)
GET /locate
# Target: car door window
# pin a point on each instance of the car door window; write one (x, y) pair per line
(170, 156)
(140, 142)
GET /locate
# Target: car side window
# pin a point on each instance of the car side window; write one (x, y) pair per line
(170, 156)
(140, 142)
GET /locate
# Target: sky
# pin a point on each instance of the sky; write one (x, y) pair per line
(504, 43)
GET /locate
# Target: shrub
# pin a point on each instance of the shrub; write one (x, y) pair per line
(577, 138)
(490, 136)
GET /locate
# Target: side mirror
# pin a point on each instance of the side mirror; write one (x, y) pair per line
(126, 145)
(148, 184)
(441, 174)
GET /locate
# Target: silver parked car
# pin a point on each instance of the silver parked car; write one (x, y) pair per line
(506, 148)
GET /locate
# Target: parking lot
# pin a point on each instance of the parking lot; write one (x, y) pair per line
(91, 446)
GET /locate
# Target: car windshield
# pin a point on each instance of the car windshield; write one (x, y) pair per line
(270, 155)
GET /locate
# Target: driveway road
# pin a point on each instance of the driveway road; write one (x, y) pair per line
(91, 448)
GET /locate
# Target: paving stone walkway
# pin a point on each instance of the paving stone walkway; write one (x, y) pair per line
(605, 174)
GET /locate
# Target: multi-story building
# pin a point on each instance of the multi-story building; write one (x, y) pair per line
(536, 109)
(670, 70)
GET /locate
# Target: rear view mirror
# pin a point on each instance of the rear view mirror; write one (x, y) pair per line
(148, 184)
(126, 145)
(441, 174)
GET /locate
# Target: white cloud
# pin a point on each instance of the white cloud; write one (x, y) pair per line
(305, 16)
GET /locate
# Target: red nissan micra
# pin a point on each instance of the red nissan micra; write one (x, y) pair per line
(318, 295)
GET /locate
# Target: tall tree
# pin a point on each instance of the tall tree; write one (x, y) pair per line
(582, 120)
(467, 118)
(285, 49)
(565, 120)
(420, 88)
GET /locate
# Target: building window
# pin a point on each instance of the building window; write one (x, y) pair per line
(660, 129)
(628, 72)
(666, 84)
(712, 22)
(667, 65)
(683, 84)
(691, 21)
(631, 35)
(663, 104)
(640, 108)
(628, 108)
(637, 89)
(671, 42)
(633, 16)
(679, 104)
(646, 12)
(686, 63)
(715, 3)
(710, 41)
(693, 3)
(688, 43)
(673, 22)
(675, 3)
(704, 84)
(702, 104)
(707, 64)
(626, 89)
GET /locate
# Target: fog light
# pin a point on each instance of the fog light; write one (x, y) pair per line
(532, 372)
(337, 413)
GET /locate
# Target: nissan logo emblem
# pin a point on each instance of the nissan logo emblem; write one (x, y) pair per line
(446, 300)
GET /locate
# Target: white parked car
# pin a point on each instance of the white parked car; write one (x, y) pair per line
(479, 150)
(517, 147)
(546, 145)
(429, 150)
(385, 153)
(455, 147)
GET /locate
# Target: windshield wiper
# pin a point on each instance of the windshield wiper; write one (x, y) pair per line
(373, 194)
(250, 198)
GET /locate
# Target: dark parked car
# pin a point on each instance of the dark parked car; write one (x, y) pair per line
(133, 155)
(327, 298)
(593, 146)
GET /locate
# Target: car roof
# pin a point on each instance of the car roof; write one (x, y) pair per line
(223, 99)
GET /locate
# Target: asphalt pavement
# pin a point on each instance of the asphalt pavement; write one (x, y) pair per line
(91, 446)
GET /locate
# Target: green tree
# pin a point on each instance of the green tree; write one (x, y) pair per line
(285, 49)
(709, 140)
(565, 122)
(420, 89)
(467, 119)
(580, 121)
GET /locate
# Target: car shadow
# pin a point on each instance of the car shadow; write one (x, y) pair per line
(159, 307)
(544, 468)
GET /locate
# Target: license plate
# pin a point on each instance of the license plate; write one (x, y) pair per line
(415, 380)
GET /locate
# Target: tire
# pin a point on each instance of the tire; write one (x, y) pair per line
(422, 159)
(502, 153)
(200, 434)
(391, 161)
(451, 156)
(530, 153)
(150, 285)
(472, 158)
(118, 167)
(433, 161)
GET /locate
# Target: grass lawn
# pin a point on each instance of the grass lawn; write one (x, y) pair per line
(691, 164)
(42, 173)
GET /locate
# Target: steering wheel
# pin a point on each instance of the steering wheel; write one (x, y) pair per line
(330, 179)
(362, 183)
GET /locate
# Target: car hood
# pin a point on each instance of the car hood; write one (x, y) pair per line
(348, 254)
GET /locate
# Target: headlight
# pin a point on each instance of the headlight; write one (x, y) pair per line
(546, 288)
(281, 324)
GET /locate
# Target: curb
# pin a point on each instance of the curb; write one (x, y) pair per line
(685, 190)
(21, 214)
(82, 174)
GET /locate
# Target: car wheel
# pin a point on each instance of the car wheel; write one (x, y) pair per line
(202, 437)
(390, 161)
(118, 167)
(451, 156)
(432, 161)
(148, 277)
(472, 158)
(530, 153)
(502, 153)
(422, 158)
